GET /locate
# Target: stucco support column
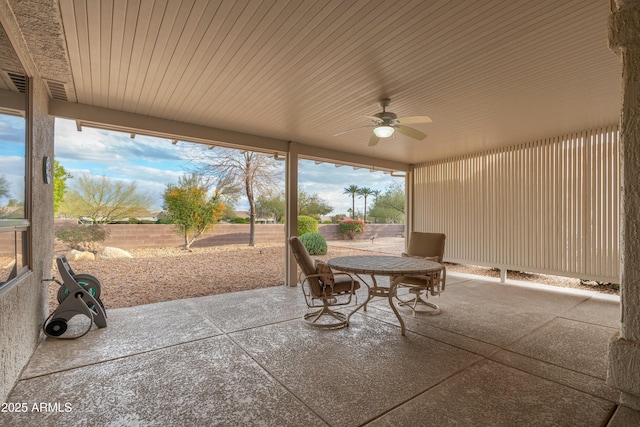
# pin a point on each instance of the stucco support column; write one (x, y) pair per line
(291, 214)
(624, 347)
(409, 206)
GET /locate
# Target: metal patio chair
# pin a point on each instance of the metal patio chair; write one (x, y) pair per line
(429, 246)
(323, 289)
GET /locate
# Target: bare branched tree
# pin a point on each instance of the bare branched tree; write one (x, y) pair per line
(239, 172)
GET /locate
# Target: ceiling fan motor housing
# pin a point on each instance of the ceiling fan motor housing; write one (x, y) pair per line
(386, 117)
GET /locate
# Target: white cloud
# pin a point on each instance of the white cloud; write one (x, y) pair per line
(12, 165)
(154, 162)
(328, 182)
(99, 145)
(12, 129)
(12, 170)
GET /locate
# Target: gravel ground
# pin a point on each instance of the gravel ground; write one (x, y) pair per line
(155, 275)
(166, 274)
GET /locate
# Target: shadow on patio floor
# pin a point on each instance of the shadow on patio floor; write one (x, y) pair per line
(498, 355)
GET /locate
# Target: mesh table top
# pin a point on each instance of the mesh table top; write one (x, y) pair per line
(384, 265)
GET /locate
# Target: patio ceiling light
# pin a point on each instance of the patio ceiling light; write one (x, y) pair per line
(383, 131)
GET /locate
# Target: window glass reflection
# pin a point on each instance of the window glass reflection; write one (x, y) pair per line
(14, 152)
(12, 167)
(8, 264)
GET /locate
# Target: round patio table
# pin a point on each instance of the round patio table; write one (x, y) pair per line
(394, 266)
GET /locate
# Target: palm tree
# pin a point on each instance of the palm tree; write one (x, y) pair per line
(353, 190)
(365, 192)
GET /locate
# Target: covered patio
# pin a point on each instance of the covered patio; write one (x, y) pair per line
(530, 164)
(498, 354)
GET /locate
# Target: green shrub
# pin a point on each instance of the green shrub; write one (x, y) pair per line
(240, 220)
(77, 236)
(133, 220)
(351, 227)
(315, 243)
(306, 224)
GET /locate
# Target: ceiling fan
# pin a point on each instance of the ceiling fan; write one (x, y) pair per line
(386, 123)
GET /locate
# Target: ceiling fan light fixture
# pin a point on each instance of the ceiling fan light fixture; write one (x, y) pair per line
(383, 131)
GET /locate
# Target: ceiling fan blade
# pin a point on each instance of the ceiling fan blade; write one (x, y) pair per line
(414, 119)
(411, 132)
(373, 140)
(351, 130)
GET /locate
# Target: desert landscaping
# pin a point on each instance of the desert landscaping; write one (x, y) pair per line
(164, 274)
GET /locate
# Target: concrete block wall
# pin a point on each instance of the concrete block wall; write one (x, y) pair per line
(137, 236)
(332, 231)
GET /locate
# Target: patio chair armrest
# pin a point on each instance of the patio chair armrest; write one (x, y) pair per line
(324, 286)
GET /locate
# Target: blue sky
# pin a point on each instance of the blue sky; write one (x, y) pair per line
(154, 162)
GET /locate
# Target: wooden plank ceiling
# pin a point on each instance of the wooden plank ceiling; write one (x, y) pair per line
(489, 73)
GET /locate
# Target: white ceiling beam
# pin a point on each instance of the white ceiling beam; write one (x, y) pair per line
(12, 101)
(145, 125)
(152, 126)
(312, 152)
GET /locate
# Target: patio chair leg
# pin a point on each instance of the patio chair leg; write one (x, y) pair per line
(313, 317)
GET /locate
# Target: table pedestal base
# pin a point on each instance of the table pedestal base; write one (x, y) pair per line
(384, 292)
(417, 299)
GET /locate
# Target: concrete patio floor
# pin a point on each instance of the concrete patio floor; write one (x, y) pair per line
(497, 355)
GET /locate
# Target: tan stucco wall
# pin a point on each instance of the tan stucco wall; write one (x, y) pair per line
(22, 308)
(624, 348)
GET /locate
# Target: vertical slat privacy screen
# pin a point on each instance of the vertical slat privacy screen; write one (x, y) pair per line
(548, 206)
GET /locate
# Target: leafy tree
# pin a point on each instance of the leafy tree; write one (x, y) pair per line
(312, 205)
(365, 192)
(389, 207)
(13, 209)
(104, 200)
(4, 187)
(239, 172)
(376, 194)
(272, 204)
(308, 205)
(353, 190)
(190, 208)
(60, 176)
